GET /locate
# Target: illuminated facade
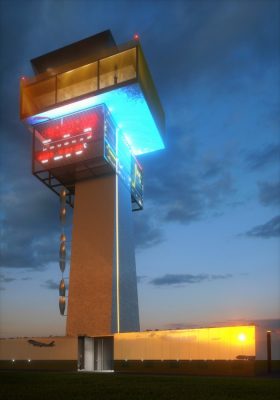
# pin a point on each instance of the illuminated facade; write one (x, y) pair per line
(232, 350)
(92, 109)
(219, 343)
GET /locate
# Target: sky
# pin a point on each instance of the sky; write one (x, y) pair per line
(207, 241)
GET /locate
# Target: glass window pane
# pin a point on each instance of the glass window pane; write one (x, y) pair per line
(118, 68)
(77, 82)
(38, 96)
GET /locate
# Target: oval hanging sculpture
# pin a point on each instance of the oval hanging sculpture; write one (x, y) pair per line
(62, 215)
(62, 250)
(62, 304)
(62, 265)
(62, 288)
(62, 238)
(63, 195)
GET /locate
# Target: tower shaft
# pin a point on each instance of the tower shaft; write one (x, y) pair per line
(102, 292)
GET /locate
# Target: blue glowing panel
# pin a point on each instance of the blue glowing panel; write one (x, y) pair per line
(130, 111)
(117, 153)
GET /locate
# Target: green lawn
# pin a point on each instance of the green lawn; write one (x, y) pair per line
(83, 386)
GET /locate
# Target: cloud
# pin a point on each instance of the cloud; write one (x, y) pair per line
(262, 158)
(269, 193)
(141, 278)
(198, 29)
(5, 279)
(52, 285)
(212, 167)
(181, 188)
(264, 323)
(30, 225)
(147, 234)
(176, 325)
(181, 279)
(267, 230)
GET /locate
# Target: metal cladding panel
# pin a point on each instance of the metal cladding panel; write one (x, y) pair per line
(94, 46)
(221, 343)
(150, 92)
(128, 297)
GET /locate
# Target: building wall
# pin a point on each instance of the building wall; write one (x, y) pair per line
(209, 351)
(90, 285)
(223, 343)
(20, 354)
(128, 299)
(93, 302)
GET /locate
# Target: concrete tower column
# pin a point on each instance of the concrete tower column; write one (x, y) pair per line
(102, 292)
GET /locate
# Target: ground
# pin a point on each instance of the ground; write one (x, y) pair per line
(57, 386)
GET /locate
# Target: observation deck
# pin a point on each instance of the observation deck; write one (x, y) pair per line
(121, 80)
(60, 103)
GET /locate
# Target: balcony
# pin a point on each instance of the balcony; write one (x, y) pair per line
(121, 81)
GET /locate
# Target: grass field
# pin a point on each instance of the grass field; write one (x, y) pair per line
(30, 385)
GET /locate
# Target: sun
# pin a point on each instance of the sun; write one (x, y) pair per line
(242, 337)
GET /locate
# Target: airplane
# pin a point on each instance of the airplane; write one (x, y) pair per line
(41, 344)
(244, 357)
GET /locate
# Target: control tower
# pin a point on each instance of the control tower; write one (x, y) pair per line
(92, 109)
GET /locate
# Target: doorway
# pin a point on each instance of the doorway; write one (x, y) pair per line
(96, 354)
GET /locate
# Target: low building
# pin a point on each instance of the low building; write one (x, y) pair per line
(234, 350)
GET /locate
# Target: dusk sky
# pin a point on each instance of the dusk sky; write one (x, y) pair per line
(207, 241)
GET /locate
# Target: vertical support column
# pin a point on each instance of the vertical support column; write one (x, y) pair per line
(92, 259)
(268, 346)
(102, 295)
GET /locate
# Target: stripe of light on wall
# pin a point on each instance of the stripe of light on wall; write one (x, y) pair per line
(117, 236)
